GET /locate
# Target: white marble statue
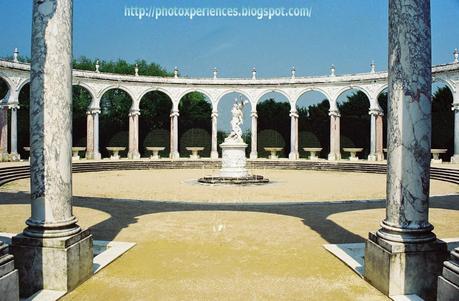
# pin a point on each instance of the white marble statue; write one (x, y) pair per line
(236, 121)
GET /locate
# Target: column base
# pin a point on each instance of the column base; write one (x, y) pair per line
(9, 277)
(134, 155)
(334, 157)
(4, 157)
(455, 159)
(174, 155)
(404, 268)
(59, 264)
(14, 157)
(294, 156)
(214, 155)
(254, 155)
(97, 156)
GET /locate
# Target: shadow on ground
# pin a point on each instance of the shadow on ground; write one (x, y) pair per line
(315, 216)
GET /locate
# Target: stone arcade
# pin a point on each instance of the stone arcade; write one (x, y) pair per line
(403, 257)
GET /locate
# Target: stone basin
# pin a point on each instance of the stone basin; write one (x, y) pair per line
(155, 151)
(273, 151)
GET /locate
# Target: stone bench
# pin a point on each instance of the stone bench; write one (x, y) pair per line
(75, 151)
(436, 152)
(273, 151)
(115, 152)
(353, 151)
(195, 151)
(155, 152)
(313, 151)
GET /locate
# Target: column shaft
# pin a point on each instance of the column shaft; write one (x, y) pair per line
(97, 155)
(89, 136)
(293, 136)
(4, 132)
(14, 134)
(174, 135)
(455, 158)
(134, 135)
(214, 150)
(254, 136)
(409, 115)
(335, 132)
(379, 137)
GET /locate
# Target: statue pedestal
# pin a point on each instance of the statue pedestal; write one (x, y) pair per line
(233, 160)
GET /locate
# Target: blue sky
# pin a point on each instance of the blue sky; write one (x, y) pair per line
(347, 33)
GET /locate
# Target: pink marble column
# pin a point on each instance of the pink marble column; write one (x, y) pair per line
(214, 151)
(254, 140)
(294, 154)
(134, 135)
(335, 132)
(89, 135)
(4, 133)
(174, 135)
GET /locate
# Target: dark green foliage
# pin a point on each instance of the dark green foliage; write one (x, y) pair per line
(23, 121)
(80, 104)
(307, 139)
(355, 121)
(120, 139)
(315, 119)
(271, 138)
(195, 112)
(443, 121)
(275, 116)
(195, 137)
(157, 138)
(3, 88)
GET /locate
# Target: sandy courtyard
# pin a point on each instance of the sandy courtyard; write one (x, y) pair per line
(181, 185)
(190, 251)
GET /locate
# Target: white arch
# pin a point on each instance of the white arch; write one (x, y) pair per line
(313, 89)
(88, 88)
(7, 81)
(191, 90)
(365, 91)
(113, 87)
(154, 89)
(446, 82)
(267, 91)
(229, 91)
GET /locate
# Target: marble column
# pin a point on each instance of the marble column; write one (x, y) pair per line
(174, 135)
(95, 117)
(335, 132)
(254, 136)
(53, 252)
(134, 135)
(89, 135)
(4, 133)
(214, 151)
(376, 150)
(14, 155)
(380, 137)
(404, 257)
(294, 154)
(9, 277)
(455, 157)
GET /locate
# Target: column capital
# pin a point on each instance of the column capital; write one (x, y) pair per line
(214, 115)
(294, 114)
(334, 113)
(13, 106)
(455, 107)
(376, 112)
(174, 113)
(93, 111)
(134, 112)
(254, 114)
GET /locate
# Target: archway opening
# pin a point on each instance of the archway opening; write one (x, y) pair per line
(4, 88)
(81, 100)
(224, 119)
(115, 105)
(195, 124)
(313, 122)
(273, 124)
(23, 115)
(442, 119)
(354, 106)
(154, 122)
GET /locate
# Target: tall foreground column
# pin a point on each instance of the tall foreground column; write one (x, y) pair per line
(4, 133)
(254, 140)
(174, 135)
(294, 154)
(404, 257)
(455, 157)
(53, 252)
(335, 132)
(134, 135)
(214, 151)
